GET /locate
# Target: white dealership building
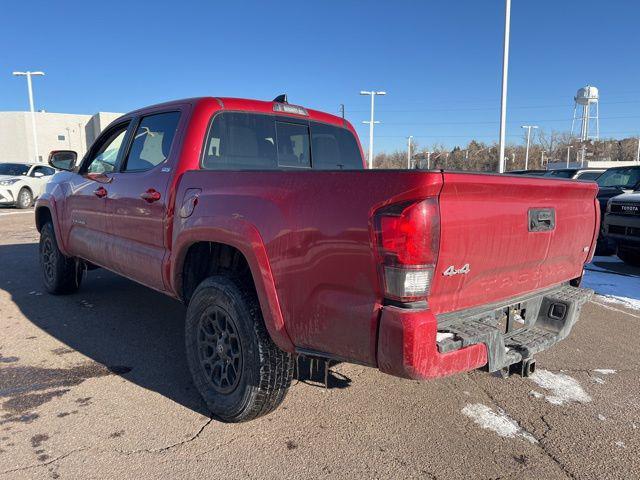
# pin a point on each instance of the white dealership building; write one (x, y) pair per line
(55, 131)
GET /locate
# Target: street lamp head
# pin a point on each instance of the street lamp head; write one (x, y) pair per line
(364, 92)
(380, 93)
(18, 74)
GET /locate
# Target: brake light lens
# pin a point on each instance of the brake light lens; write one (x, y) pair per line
(408, 236)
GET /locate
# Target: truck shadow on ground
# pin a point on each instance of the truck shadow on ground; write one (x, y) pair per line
(111, 320)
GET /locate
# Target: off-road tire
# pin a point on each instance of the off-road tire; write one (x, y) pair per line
(630, 257)
(25, 198)
(60, 274)
(265, 370)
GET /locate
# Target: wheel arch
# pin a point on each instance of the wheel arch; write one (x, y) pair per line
(26, 186)
(45, 211)
(205, 253)
(43, 215)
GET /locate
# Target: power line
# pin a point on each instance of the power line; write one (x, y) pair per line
(510, 121)
(516, 107)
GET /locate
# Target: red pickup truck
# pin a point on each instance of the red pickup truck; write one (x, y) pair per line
(261, 217)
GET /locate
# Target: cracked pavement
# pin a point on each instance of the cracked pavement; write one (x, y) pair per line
(95, 385)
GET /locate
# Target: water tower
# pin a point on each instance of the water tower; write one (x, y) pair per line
(586, 109)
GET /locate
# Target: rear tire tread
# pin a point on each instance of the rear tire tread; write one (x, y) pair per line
(275, 370)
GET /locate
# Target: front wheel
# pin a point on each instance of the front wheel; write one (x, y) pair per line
(25, 198)
(60, 274)
(630, 257)
(239, 371)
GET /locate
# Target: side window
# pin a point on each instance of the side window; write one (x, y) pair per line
(240, 141)
(293, 145)
(334, 148)
(152, 141)
(42, 171)
(104, 159)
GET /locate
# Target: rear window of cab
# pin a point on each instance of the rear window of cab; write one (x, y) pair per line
(246, 141)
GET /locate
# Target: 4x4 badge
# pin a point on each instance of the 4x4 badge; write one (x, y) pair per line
(451, 270)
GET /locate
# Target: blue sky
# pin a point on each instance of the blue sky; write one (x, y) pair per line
(439, 61)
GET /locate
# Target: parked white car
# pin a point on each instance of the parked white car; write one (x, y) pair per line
(22, 183)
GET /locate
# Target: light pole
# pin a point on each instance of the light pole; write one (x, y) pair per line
(505, 72)
(371, 122)
(33, 114)
(409, 138)
(542, 158)
(638, 152)
(82, 149)
(568, 150)
(526, 156)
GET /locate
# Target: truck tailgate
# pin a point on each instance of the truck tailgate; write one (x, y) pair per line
(517, 235)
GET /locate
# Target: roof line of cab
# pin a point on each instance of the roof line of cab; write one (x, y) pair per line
(244, 104)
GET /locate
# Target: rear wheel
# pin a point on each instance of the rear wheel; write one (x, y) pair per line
(239, 371)
(630, 257)
(60, 274)
(25, 198)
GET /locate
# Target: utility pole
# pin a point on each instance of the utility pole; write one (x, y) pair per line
(371, 122)
(568, 150)
(505, 73)
(33, 114)
(638, 152)
(429, 160)
(342, 110)
(409, 138)
(526, 156)
(542, 158)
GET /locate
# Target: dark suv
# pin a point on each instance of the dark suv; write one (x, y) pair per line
(622, 226)
(613, 182)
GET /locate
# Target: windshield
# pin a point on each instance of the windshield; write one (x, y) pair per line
(15, 169)
(626, 178)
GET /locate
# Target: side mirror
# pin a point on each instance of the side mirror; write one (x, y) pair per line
(38, 174)
(63, 159)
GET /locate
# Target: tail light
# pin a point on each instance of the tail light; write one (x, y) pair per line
(407, 237)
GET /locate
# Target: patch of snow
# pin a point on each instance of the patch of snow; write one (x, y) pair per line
(620, 444)
(612, 287)
(443, 336)
(605, 371)
(631, 303)
(598, 380)
(535, 394)
(601, 417)
(563, 388)
(498, 422)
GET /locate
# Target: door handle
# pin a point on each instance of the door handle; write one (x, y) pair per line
(100, 192)
(150, 195)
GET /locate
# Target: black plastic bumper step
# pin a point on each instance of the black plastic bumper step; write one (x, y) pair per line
(550, 317)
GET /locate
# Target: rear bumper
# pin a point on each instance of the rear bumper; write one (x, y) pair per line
(408, 345)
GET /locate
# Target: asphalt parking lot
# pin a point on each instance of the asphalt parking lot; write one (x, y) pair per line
(95, 385)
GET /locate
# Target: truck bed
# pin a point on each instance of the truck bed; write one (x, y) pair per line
(316, 228)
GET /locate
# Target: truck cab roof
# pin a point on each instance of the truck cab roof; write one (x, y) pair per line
(251, 105)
